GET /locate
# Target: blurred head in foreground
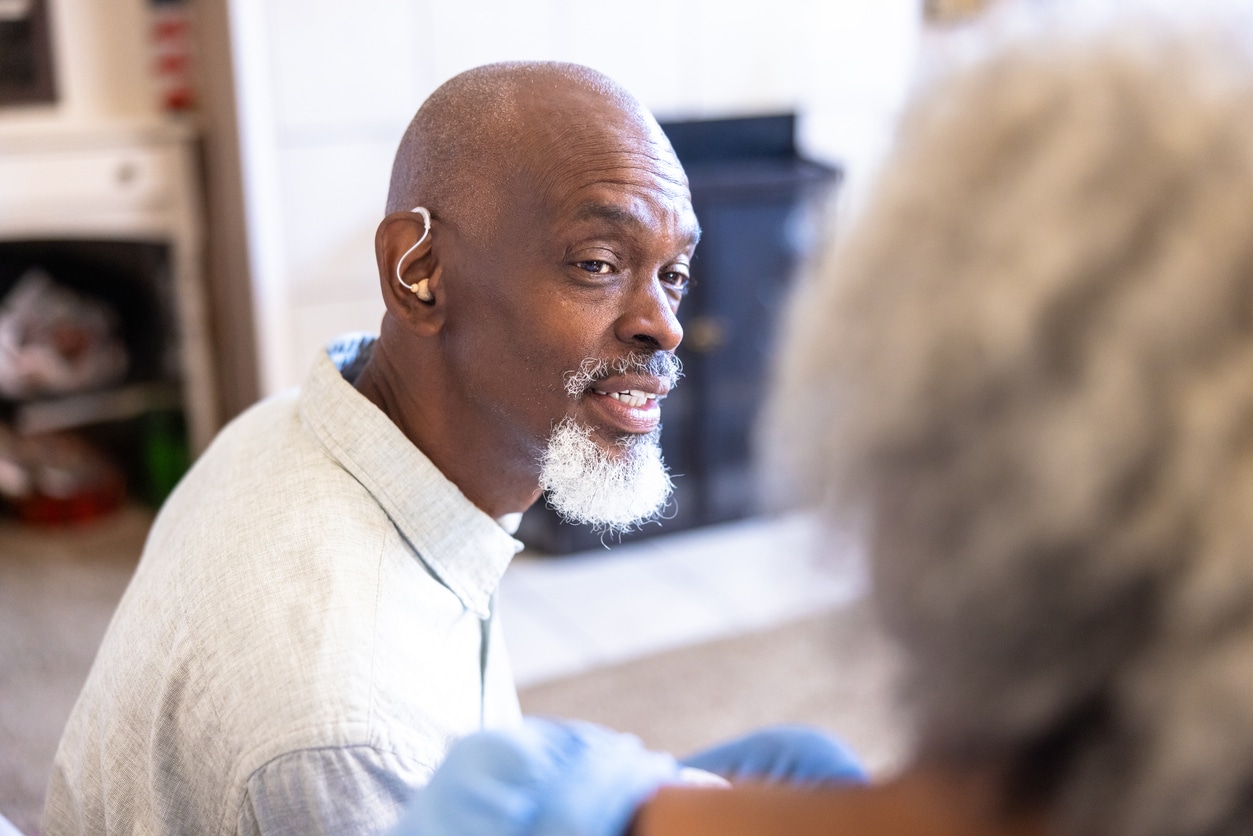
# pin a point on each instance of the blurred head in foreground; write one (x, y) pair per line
(1026, 378)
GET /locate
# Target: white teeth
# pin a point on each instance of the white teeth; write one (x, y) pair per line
(632, 397)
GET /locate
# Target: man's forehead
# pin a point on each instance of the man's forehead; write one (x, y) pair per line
(640, 215)
(580, 155)
(628, 182)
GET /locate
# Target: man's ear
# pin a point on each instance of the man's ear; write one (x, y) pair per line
(410, 277)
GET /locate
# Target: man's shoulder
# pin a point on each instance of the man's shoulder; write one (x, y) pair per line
(266, 472)
(272, 420)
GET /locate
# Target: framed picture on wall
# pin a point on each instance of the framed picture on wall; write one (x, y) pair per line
(26, 73)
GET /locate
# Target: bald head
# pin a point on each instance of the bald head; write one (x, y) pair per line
(502, 123)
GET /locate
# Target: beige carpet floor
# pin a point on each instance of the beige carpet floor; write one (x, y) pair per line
(834, 671)
(58, 589)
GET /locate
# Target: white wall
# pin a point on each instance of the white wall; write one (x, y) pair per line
(326, 88)
(101, 60)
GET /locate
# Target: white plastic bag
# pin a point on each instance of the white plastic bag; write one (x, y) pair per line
(53, 341)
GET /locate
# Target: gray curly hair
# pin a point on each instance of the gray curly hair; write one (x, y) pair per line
(1026, 378)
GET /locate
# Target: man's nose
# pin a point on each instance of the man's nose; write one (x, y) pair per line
(649, 320)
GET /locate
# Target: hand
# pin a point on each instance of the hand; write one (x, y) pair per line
(543, 778)
(782, 754)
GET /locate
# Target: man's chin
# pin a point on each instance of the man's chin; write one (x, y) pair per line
(612, 482)
(621, 446)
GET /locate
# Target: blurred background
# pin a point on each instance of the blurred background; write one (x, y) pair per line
(188, 196)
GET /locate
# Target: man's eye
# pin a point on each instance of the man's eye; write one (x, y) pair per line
(678, 280)
(599, 267)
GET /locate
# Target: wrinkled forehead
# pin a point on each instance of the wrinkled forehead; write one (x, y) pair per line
(599, 149)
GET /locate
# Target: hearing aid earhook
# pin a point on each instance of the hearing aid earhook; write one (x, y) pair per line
(421, 288)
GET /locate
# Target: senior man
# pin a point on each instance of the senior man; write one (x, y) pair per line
(311, 623)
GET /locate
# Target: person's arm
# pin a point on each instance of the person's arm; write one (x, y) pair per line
(922, 802)
(357, 789)
(749, 811)
(552, 778)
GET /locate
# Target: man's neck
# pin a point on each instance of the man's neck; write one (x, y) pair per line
(493, 480)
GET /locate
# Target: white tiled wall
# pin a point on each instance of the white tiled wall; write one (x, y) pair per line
(326, 88)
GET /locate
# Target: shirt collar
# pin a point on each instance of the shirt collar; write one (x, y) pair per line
(461, 545)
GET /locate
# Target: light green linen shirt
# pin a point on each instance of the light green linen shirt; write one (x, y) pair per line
(309, 627)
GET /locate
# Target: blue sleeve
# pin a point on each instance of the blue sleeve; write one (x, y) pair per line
(543, 778)
(796, 755)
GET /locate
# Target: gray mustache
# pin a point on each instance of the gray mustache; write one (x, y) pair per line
(659, 364)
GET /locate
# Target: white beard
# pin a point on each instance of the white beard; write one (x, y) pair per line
(613, 493)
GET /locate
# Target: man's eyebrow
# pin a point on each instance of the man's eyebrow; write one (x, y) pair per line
(607, 212)
(622, 216)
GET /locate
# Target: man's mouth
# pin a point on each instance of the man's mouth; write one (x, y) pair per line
(624, 395)
(632, 375)
(634, 398)
(628, 405)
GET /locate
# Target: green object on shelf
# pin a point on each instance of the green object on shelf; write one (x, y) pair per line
(166, 455)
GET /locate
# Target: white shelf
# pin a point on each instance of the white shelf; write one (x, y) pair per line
(85, 408)
(55, 134)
